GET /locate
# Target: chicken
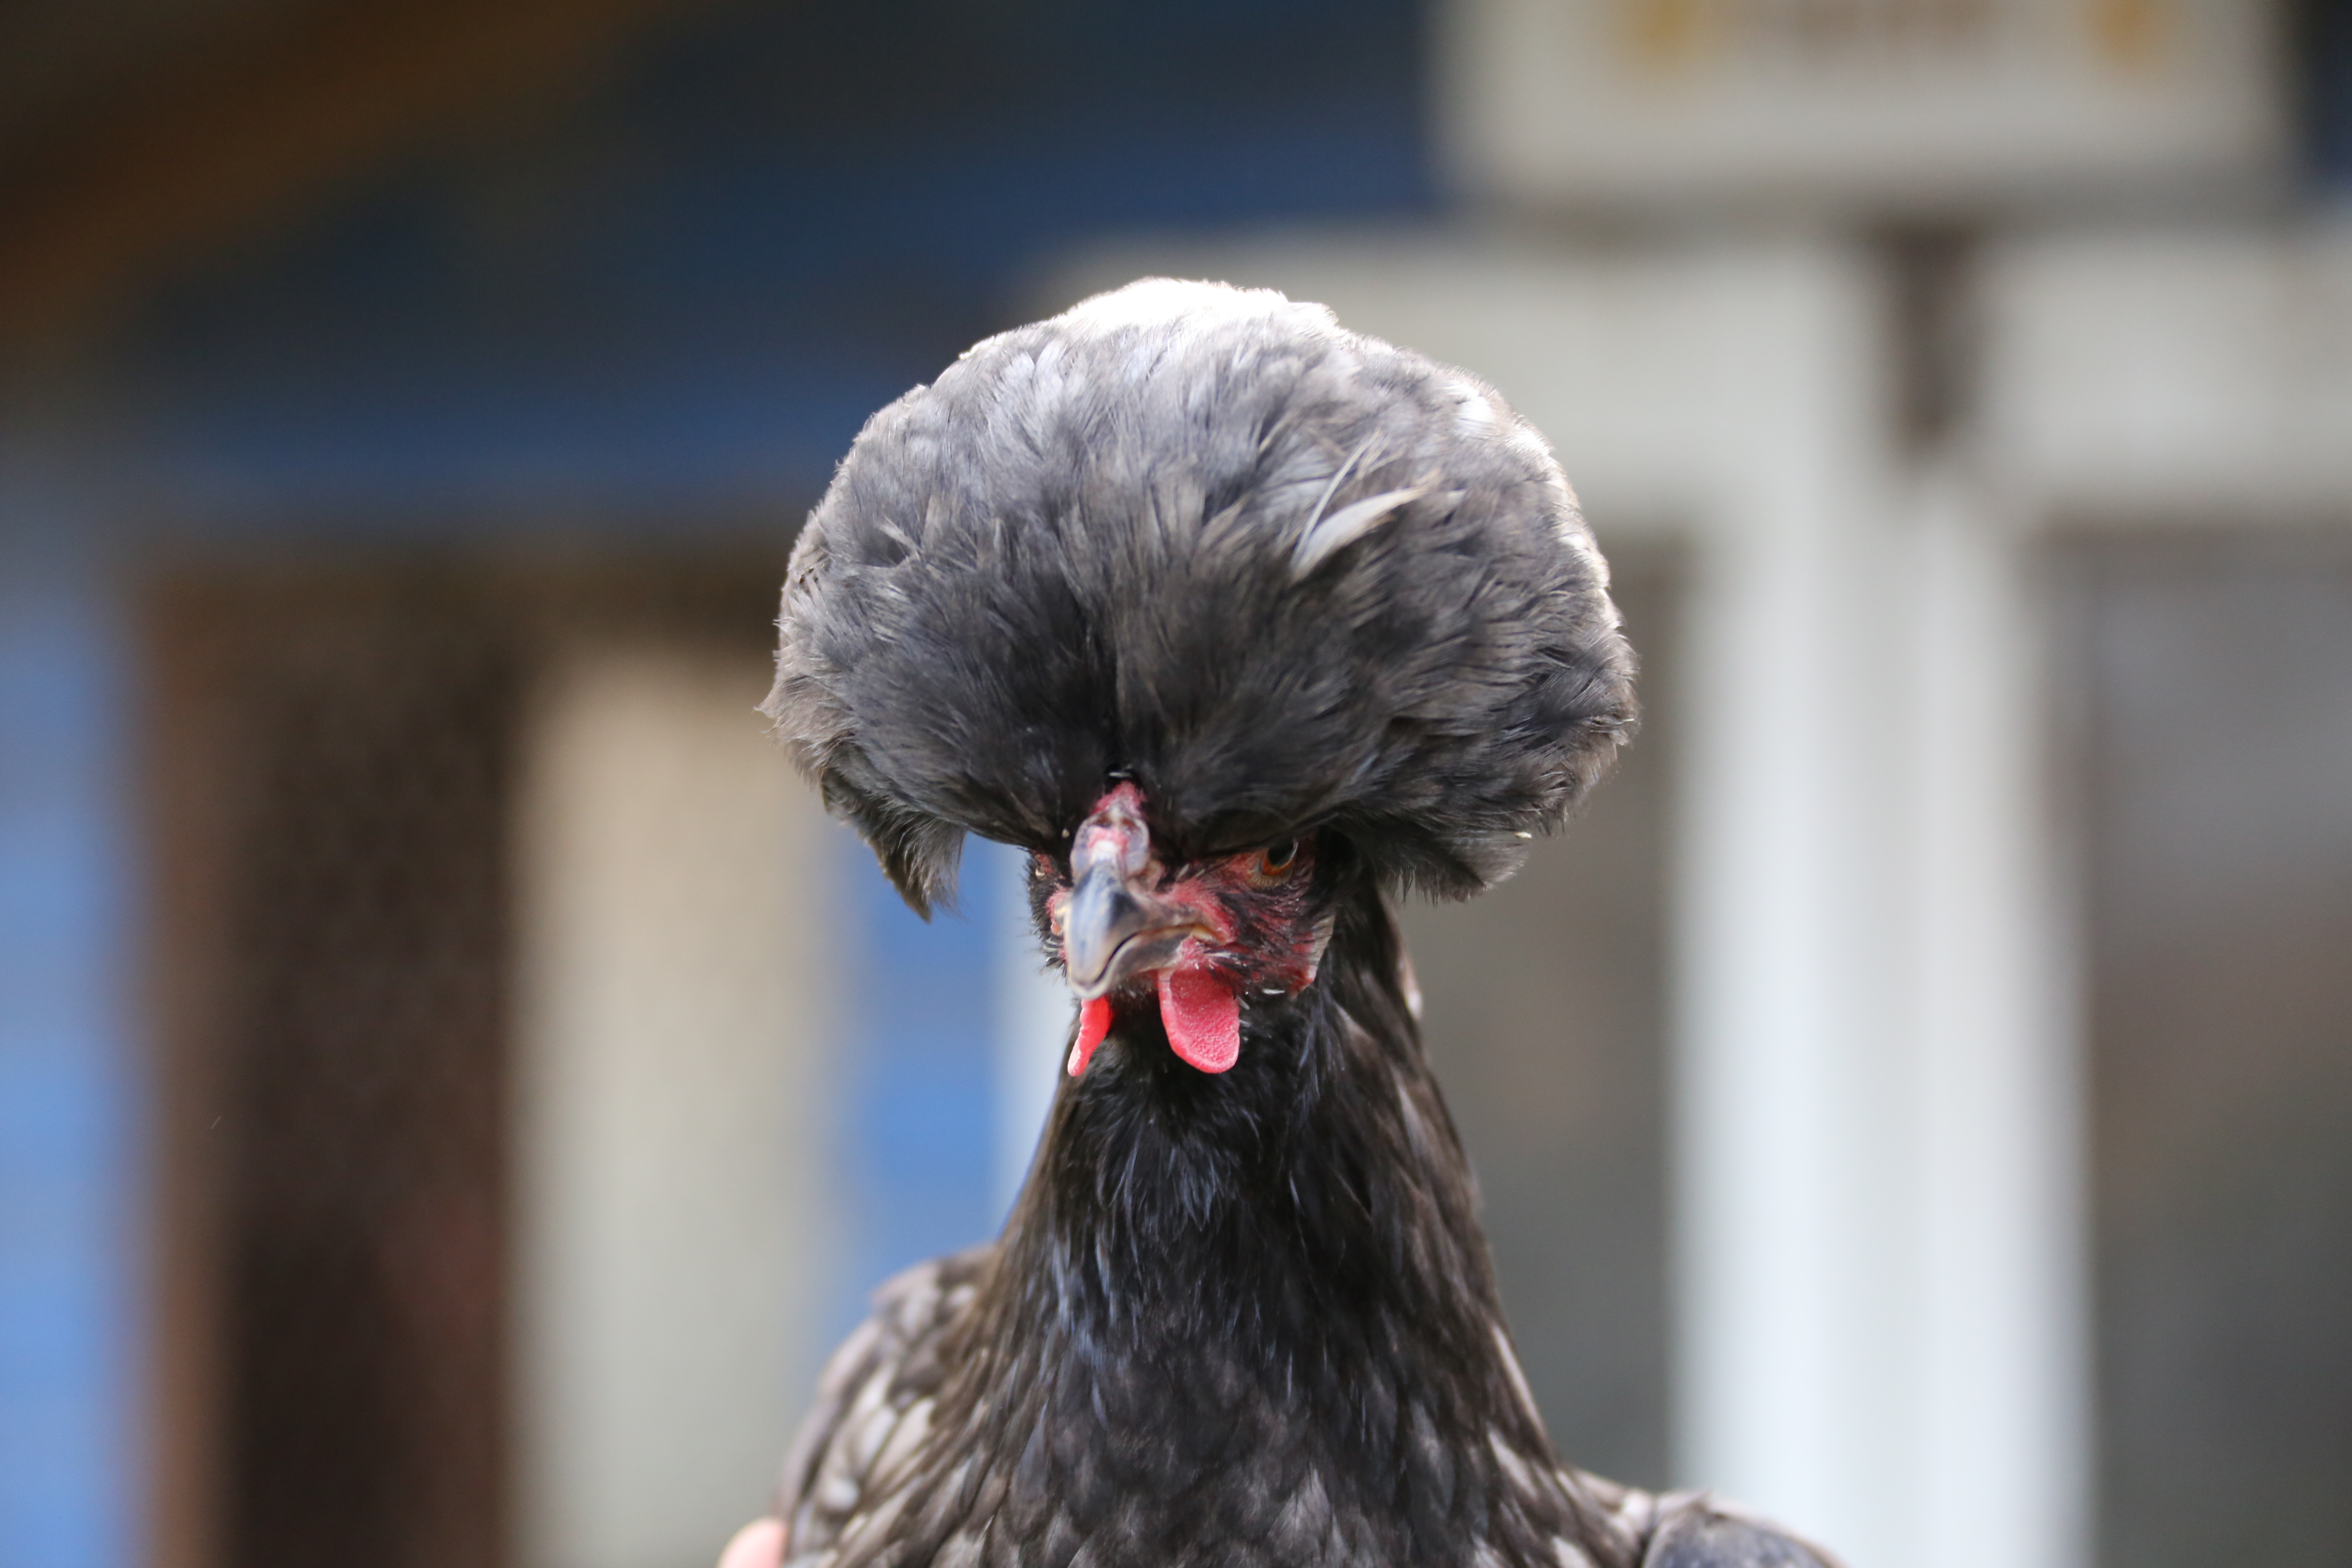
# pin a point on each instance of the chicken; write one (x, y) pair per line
(1243, 626)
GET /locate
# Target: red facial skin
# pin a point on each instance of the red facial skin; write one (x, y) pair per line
(1249, 925)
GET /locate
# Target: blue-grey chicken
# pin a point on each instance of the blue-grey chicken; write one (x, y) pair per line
(1242, 624)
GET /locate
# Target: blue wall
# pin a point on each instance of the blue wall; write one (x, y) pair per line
(916, 1119)
(691, 290)
(69, 1091)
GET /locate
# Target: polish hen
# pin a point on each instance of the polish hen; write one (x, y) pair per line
(1242, 624)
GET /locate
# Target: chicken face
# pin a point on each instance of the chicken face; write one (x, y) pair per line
(1195, 936)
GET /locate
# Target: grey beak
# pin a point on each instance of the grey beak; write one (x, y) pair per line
(1114, 925)
(1101, 918)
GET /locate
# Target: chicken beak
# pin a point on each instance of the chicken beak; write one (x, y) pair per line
(1101, 926)
(1114, 926)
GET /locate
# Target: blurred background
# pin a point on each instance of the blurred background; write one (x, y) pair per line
(455, 1085)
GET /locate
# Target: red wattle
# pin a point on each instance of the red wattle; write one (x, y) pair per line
(1094, 1022)
(1203, 1015)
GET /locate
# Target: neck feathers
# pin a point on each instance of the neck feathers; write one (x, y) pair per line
(1259, 1306)
(1318, 1183)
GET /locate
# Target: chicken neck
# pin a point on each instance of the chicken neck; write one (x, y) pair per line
(1224, 1299)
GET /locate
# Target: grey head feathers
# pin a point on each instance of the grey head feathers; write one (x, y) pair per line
(1285, 576)
(1323, 536)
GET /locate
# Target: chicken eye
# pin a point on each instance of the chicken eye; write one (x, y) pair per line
(1274, 862)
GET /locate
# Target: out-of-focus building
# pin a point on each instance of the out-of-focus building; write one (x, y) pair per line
(454, 1083)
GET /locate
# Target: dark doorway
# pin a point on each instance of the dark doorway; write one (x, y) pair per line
(333, 758)
(332, 753)
(2211, 727)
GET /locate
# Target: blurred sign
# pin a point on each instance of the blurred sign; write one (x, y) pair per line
(1894, 103)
